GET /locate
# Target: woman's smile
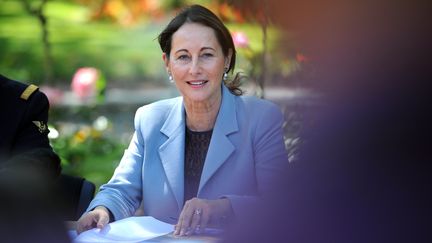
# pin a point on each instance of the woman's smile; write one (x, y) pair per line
(196, 84)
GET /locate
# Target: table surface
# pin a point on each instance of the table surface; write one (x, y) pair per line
(71, 225)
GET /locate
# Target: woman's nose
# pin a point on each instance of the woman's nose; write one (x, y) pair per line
(195, 67)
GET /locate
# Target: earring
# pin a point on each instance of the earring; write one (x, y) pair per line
(170, 77)
(225, 75)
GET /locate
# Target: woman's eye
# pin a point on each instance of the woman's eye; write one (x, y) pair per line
(183, 57)
(206, 55)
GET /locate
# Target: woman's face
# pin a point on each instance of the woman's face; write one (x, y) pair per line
(196, 63)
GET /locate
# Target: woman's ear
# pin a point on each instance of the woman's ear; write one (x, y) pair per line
(228, 58)
(165, 58)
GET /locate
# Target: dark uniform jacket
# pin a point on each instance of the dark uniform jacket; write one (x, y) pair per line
(23, 128)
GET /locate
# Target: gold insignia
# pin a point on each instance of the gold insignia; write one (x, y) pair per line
(41, 126)
(28, 91)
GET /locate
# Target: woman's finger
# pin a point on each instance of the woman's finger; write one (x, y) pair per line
(205, 218)
(196, 217)
(85, 223)
(181, 219)
(185, 222)
(102, 221)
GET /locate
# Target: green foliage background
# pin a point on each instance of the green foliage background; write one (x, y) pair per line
(124, 54)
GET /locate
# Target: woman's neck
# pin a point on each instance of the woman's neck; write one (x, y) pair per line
(201, 116)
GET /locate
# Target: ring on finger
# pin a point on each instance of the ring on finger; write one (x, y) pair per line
(198, 211)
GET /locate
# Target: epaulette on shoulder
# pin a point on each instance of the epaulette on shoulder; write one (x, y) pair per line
(29, 91)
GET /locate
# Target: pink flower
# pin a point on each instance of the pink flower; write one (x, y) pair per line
(84, 82)
(240, 39)
(300, 57)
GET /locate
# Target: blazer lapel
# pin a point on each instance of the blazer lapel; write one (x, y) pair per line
(220, 147)
(171, 151)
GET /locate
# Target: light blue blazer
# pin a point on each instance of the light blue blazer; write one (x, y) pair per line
(245, 154)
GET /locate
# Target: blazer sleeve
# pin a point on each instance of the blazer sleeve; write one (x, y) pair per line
(270, 160)
(122, 195)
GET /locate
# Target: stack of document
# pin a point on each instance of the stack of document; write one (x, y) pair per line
(132, 229)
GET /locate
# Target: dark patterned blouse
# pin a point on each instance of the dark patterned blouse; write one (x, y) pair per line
(197, 144)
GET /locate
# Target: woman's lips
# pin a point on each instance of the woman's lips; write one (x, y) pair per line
(197, 84)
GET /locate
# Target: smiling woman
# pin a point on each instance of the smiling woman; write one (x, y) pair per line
(197, 65)
(203, 157)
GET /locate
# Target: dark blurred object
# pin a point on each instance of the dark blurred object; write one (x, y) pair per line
(364, 175)
(365, 172)
(24, 130)
(40, 160)
(28, 211)
(76, 193)
(29, 168)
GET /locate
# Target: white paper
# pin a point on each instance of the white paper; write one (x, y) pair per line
(132, 229)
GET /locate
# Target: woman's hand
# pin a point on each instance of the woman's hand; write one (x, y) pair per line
(197, 213)
(98, 217)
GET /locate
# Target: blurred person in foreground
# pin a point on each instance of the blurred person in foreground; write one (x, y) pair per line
(364, 173)
(198, 159)
(24, 131)
(28, 209)
(29, 168)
